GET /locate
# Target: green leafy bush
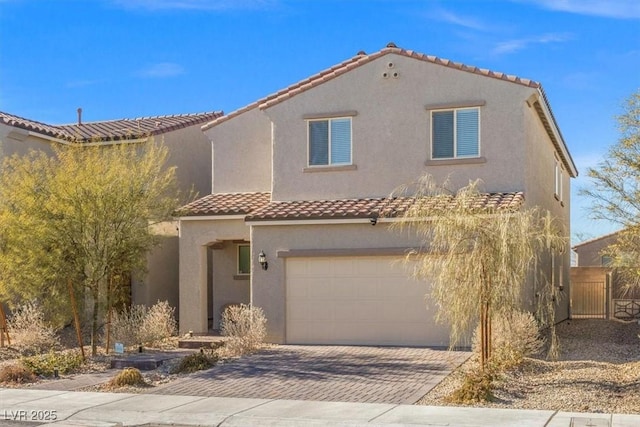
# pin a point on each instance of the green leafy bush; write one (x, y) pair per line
(16, 373)
(46, 364)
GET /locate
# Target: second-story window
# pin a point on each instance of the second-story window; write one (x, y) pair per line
(455, 133)
(329, 141)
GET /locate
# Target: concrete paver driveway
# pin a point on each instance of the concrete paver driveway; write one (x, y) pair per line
(330, 373)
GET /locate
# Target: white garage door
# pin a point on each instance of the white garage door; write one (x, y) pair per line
(358, 300)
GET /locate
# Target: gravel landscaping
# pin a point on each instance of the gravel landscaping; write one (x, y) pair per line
(598, 371)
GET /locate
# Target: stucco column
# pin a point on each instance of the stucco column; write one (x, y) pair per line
(193, 298)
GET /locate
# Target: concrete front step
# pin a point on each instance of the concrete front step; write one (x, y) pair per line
(202, 341)
(146, 361)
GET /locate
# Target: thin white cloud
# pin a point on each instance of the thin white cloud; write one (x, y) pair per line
(161, 70)
(514, 45)
(619, 9)
(212, 5)
(457, 19)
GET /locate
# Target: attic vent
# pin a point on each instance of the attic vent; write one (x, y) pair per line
(390, 65)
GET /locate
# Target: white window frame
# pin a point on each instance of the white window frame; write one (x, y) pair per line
(329, 120)
(238, 272)
(455, 133)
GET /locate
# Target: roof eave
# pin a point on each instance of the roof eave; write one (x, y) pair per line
(542, 106)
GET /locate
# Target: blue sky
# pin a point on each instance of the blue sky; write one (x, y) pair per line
(132, 58)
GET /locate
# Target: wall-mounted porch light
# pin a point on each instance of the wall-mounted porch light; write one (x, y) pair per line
(262, 260)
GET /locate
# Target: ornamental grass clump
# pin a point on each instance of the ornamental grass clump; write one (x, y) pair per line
(476, 387)
(128, 377)
(196, 362)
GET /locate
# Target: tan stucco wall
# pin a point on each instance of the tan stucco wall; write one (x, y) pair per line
(268, 287)
(190, 152)
(539, 173)
(160, 281)
(20, 142)
(195, 237)
(242, 153)
(228, 288)
(590, 253)
(391, 131)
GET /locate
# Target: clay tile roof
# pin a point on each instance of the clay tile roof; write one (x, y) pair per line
(371, 207)
(362, 58)
(32, 125)
(111, 129)
(136, 128)
(226, 204)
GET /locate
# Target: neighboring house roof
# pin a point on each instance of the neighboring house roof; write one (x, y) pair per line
(32, 125)
(370, 207)
(226, 204)
(111, 130)
(595, 239)
(545, 112)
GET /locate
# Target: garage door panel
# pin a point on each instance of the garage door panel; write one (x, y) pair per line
(357, 300)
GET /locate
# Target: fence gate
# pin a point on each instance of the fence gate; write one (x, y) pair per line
(589, 300)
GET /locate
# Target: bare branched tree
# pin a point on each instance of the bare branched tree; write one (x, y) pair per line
(615, 192)
(477, 255)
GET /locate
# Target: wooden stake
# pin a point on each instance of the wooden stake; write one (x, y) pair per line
(3, 326)
(109, 304)
(76, 318)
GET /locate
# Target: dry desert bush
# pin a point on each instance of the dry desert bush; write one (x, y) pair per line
(245, 327)
(142, 325)
(29, 331)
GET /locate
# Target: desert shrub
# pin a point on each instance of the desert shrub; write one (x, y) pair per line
(245, 327)
(139, 325)
(514, 337)
(159, 323)
(476, 387)
(196, 362)
(16, 373)
(127, 324)
(127, 377)
(45, 364)
(29, 331)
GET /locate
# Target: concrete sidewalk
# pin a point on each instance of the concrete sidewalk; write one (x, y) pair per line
(120, 409)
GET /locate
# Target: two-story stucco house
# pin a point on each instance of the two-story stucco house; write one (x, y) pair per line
(189, 150)
(299, 178)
